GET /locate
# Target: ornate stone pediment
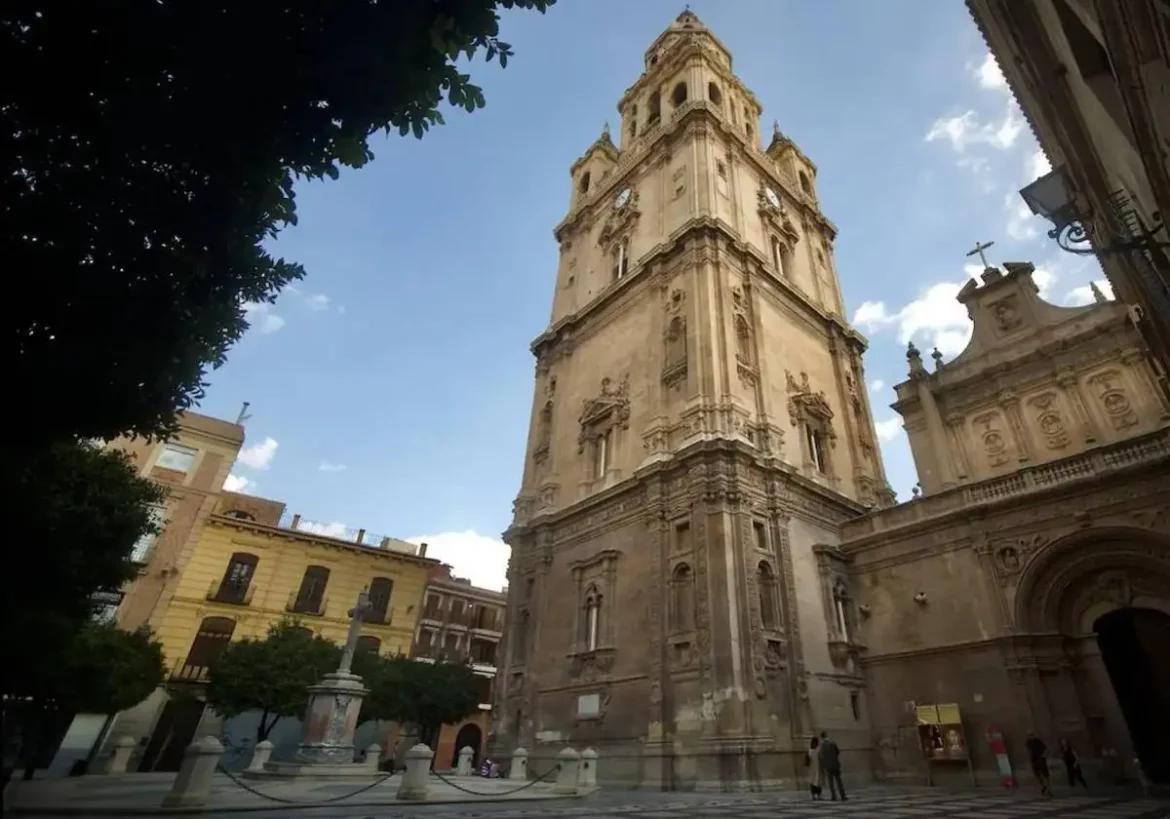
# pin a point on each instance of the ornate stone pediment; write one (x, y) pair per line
(620, 221)
(806, 405)
(610, 407)
(775, 216)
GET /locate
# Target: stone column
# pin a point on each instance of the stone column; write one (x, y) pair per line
(418, 770)
(1067, 380)
(958, 445)
(587, 777)
(331, 719)
(567, 775)
(1011, 407)
(1138, 361)
(193, 783)
(260, 755)
(374, 757)
(519, 768)
(120, 759)
(463, 766)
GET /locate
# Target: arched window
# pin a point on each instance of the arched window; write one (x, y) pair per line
(381, 590)
(767, 589)
(633, 118)
(714, 94)
(679, 95)
(585, 177)
(743, 339)
(520, 639)
(233, 588)
(591, 623)
(212, 638)
(682, 598)
(653, 108)
(841, 609)
(778, 257)
(369, 643)
(805, 185)
(238, 514)
(310, 597)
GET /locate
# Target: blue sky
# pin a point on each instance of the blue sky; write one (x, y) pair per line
(391, 388)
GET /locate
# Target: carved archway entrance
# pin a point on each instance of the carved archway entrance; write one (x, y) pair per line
(1105, 596)
(469, 736)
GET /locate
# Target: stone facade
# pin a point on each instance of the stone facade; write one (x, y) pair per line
(700, 432)
(1043, 452)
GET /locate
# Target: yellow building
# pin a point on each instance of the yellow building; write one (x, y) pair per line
(252, 565)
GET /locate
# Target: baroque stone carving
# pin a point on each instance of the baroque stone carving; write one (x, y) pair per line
(1006, 314)
(1113, 399)
(775, 216)
(611, 407)
(1050, 421)
(995, 445)
(674, 368)
(589, 666)
(543, 433)
(619, 222)
(1012, 553)
(805, 405)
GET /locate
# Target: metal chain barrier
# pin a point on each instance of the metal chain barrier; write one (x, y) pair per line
(378, 781)
(459, 787)
(284, 801)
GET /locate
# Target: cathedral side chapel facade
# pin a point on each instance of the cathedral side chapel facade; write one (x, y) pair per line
(1029, 585)
(700, 432)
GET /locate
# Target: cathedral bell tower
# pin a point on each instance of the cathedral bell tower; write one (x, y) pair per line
(700, 429)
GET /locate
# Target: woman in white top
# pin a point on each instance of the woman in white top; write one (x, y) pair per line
(812, 762)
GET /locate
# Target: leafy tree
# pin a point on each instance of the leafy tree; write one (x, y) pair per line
(136, 194)
(428, 695)
(272, 675)
(79, 510)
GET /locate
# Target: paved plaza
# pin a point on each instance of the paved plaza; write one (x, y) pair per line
(868, 803)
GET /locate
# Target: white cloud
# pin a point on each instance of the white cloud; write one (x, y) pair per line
(325, 466)
(989, 76)
(936, 318)
(1038, 165)
(1080, 296)
(965, 130)
(889, 429)
(238, 483)
(261, 318)
(877, 385)
(259, 456)
(481, 559)
(317, 302)
(335, 529)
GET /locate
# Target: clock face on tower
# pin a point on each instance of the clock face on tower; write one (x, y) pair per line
(772, 198)
(622, 198)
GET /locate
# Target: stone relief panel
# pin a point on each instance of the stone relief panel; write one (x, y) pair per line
(994, 440)
(1006, 314)
(1109, 391)
(1050, 419)
(674, 365)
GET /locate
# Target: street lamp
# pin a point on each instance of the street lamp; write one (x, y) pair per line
(1051, 197)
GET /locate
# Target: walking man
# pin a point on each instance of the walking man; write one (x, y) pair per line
(830, 758)
(1038, 756)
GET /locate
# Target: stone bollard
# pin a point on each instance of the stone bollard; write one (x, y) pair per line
(519, 769)
(463, 768)
(418, 771)
(373, 757)
(567, 776)
(587, 779)
(193, 783)
(260, 755)
(120, 759)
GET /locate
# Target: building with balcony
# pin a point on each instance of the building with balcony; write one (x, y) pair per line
(252, 565)
(460, 621)
(1093, 79)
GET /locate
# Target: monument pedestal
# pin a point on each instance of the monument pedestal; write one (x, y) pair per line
(331, 720)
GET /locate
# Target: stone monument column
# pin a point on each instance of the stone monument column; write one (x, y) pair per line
(334, 703)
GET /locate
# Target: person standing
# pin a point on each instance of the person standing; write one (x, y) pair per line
(812, 761)
(1038, 756)
(830, 758)
(1072, 765)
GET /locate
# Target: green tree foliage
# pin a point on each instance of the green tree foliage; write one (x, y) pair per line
(77, 512)
(110, 670)
(272, 675)
(136, 192)
(428, 695)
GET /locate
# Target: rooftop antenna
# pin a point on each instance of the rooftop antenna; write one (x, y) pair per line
(243, 416)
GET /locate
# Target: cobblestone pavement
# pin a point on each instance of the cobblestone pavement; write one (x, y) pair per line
(872, 803)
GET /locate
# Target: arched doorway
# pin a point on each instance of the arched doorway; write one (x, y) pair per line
(1097, 602)
(469, 735)
(1135, 647)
